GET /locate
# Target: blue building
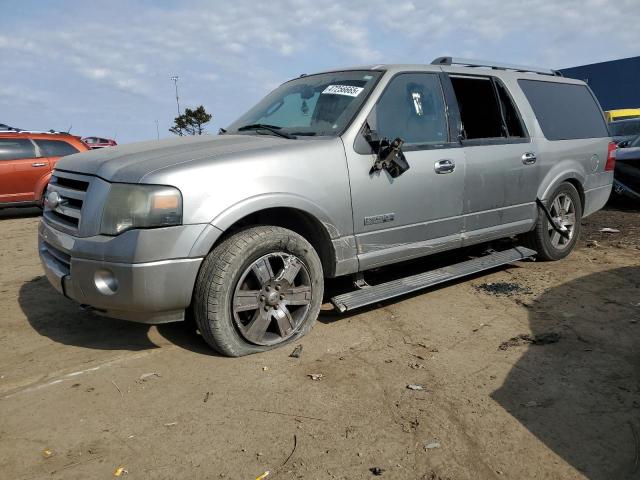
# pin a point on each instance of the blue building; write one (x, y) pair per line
(615, 83)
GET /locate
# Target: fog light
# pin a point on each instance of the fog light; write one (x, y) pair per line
(105, 282)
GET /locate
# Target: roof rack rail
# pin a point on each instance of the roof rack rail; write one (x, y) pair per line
(39, 132)
(496, 66)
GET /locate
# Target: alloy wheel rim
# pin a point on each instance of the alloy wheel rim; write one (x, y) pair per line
(563, 213)
(272, 298)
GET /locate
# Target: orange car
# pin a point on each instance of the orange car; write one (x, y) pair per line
(26, 162)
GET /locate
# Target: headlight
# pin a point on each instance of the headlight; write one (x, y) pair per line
(140, 206)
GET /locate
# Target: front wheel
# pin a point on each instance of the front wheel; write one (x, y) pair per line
(259, 289)
(566, 211)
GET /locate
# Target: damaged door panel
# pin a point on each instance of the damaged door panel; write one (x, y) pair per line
(419, 212)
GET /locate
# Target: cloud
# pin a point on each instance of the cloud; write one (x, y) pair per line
(353, 40)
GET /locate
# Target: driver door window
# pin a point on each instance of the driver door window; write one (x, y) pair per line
(412, 107)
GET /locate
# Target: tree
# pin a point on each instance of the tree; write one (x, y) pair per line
(191, 122)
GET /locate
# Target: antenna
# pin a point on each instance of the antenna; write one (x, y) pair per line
(175, 79)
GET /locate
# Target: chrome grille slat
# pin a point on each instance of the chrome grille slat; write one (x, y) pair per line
(59, 221)
(68, 211)
(69, 192)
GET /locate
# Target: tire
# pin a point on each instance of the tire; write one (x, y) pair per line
(543, 238)
(253, 268)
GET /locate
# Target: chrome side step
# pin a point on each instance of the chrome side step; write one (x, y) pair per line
(402, 286)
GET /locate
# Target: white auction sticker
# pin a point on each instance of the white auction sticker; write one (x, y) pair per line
(347, 90)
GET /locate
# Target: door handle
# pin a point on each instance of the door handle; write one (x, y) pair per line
(38, 164)
(444, 166)
(529, 158)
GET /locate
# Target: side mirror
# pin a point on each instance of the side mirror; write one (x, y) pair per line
(389, 155)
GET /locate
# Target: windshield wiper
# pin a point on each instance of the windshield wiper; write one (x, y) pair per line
(269, 128)
(304, 134)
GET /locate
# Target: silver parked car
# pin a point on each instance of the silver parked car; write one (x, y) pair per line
(330, 174)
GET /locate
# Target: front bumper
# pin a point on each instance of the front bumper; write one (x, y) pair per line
(156, 291)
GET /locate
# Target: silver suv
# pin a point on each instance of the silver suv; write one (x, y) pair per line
(330, 174)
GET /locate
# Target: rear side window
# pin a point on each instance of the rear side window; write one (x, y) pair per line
(12, 149)
(479, 108)
(512, 121)
(55, 148)
(565, 111)
(486, 109)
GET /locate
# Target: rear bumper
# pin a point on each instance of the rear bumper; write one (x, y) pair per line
(147, 292)
(595, 199)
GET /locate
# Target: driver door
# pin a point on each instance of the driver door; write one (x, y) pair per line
(420, 211)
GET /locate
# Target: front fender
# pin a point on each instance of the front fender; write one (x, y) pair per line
(250, 205)
(227, 218)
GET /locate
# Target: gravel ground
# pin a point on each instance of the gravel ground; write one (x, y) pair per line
(87, 397)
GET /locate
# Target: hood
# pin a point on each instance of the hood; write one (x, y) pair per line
(129, 163)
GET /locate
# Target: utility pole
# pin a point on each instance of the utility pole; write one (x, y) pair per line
(157, 130)
(175, 79)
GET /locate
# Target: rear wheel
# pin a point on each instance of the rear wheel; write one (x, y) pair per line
(566, 211)
(259, 289)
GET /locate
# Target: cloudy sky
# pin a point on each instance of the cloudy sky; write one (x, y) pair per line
(104, 67)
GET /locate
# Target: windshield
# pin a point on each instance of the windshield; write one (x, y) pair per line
(625, 127)
(322, 104)
(635, 142)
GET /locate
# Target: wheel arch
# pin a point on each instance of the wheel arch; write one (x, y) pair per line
(299, 221)
(298, 215)
(41, 186)
(575, 178)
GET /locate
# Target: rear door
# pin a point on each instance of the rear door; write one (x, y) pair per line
(502, 174)
(52, 150)
(20, 170)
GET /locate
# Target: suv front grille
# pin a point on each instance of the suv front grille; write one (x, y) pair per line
(71, 189)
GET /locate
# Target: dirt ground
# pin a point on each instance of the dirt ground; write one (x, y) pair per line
(82, 396)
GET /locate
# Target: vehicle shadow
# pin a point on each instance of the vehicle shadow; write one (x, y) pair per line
(22, 212)
(621, 203)
(60, 319)
(581, 396)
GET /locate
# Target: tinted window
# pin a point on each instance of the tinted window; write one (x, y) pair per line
(625, 127)
(55, 148)
(565, 111)
(11, 149)
(412, 108)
